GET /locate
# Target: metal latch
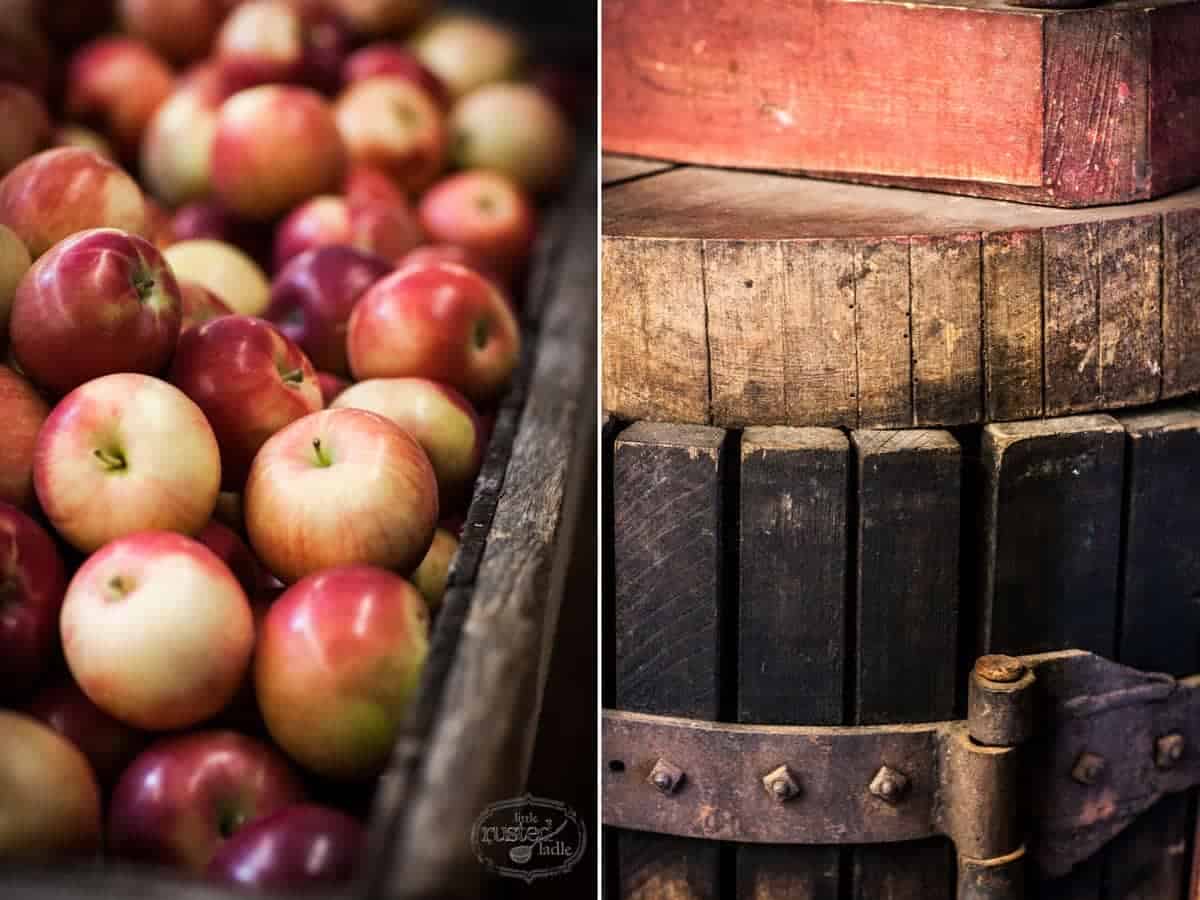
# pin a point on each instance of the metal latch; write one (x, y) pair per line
(1059, 753)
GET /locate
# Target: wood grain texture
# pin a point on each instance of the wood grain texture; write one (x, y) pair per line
(618, 169)
(907, 551)
(667, 555)
(841, 305)
(792, 618)
(1073, 109)
(1051, 535)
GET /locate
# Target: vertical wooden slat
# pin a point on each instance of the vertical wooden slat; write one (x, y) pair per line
(946, 329)
(667, 555)
(1181, 302)
(884, 333)
(1072, 303)
(791, 622)
(1160, 628)
(652, 296)
(609, 428)
(1052, 533)
(1130, 310)
(746, 289)
(907, 550)
(1012, 325)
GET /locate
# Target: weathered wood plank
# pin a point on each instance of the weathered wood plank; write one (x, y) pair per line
(616, 169)
(1012, 325)
(791, 621)
(946, 336)
(907, 536)
(1131, 311)
(1072, 325)
(667, 553)
(654, 299)
(1051, 535)
(1181, 302)
(884, 331)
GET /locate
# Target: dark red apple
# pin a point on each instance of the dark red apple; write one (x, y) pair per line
(200, 305)
(387, 230)
(109, 744)
(249, 380)
(331, 386)
(396, 61)
(22, 410)
(233, 551)
(372, 185)
(100, 302)
(27, 125)
(209, 220)
(33, 581)
(294, 848)
(181, 30)
(183, 797)
(312, 298)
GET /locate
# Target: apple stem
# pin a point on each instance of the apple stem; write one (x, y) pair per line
(323, 458)
(118, 588)
(143, 283)
(112, 460)
(293, 377)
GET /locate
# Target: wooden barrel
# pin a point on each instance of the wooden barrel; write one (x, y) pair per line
(821, 576)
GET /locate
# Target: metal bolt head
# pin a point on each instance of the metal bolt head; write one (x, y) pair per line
(1088, 768)
(889, 785)
(1168, 750)
(666, 776)
(781, 784)
(1000, 669)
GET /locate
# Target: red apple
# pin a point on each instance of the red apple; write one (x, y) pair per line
(27, 125)
(331, 386)
(72, 135)
(294, 848)
(340, 487)
(383, 16)
(22, 410)
(176, 150)
(14, 263)
(439, 417)
(183, 797)
(515, 129)
(313, 296)
(181, 30)
(109, 744)
(328, 40)
(125, 453)
(157, 631)
(223, 269)
(200, 305)
(232, 550)
(396, 126)
(48, 794)
(275, 147)
(485, 212)
(339, 659)
(384, 230)
(250, 381)
(430, 577)
(32, 583)
(209, 220)
(98, 303)
(263, 41)
(58, 192)
(371, 185)
(467, 51)
(428, 254)
(117, 83)
(440, 321)
(396, 61)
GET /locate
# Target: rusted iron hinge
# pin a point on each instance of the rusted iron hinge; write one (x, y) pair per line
(1058, 754)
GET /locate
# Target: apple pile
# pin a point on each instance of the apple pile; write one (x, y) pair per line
(258, 263)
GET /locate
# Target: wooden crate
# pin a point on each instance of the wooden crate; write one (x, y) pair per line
(813, 576)
(1075, 108)
(736, 299)
(469, 739)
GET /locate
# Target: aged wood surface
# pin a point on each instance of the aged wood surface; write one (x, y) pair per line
(667, 553)
(1077, 108)
(907, 554)
(736, 298)
(792, 568)
(617, 169)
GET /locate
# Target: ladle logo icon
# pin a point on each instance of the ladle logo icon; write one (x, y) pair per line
(529, 838)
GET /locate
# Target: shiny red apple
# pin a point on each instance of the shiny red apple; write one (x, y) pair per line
(250, 380)
(185, 796)
(23, 411)
(295, 848)
(443, 322)
(338, 662)
(340, 487)
(117, 83)
(109, 744)
(32, 583)
(100, 302)
(385, 230)
(451, 253)
(313, 296)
